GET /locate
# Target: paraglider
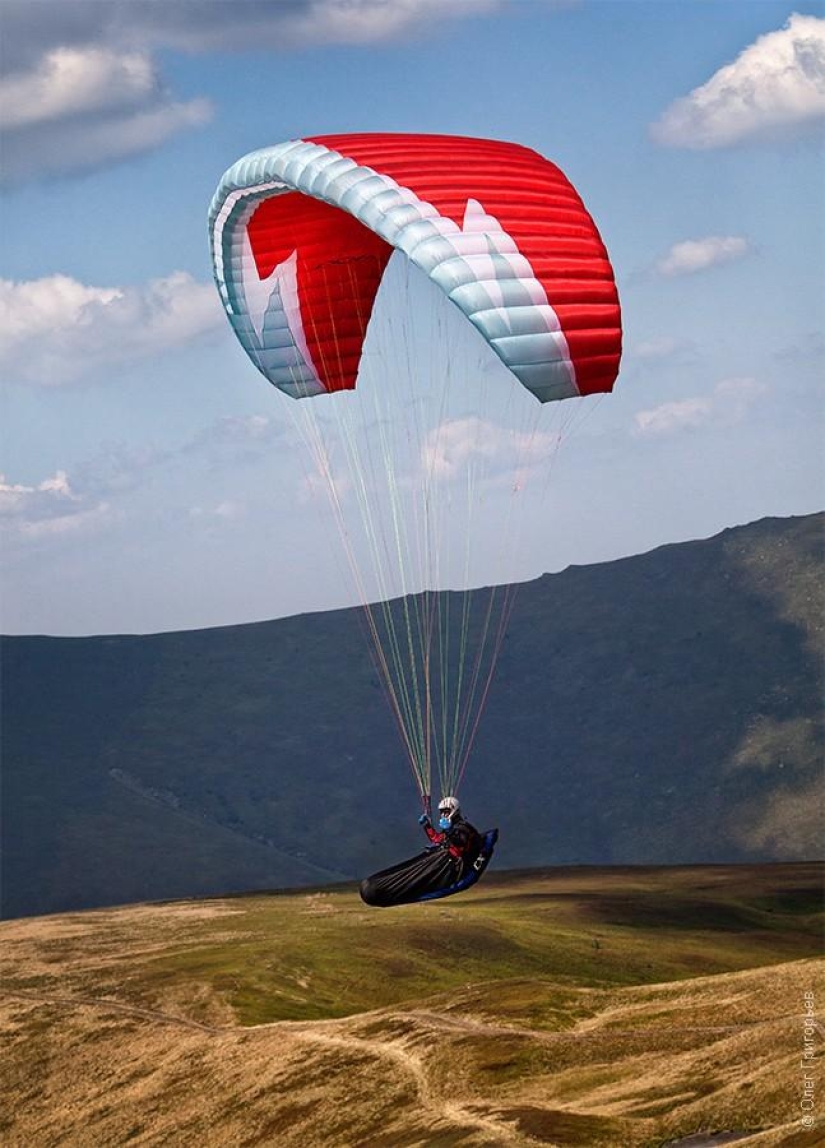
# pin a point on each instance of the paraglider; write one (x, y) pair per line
(456, 858)
(303, 234)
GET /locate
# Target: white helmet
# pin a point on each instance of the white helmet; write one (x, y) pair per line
(448, 807)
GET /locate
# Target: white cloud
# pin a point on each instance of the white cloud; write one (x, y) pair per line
(692, 255)
(56, 330)
(68, 82)
(729, 403)
(48, 509)
(78, 108)
(454, 446)
(313, 22)
(454, 449)
(69, 505)
(16, 498)
(775, 86)
(673, 416)
(735, 397)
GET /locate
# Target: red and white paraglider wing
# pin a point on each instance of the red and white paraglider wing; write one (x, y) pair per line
(301, 234)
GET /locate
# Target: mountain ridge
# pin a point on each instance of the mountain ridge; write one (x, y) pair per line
(663, 708)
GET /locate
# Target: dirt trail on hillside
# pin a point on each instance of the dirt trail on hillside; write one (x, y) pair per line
(582, 1031)
(430, 1098)
(106, 1004)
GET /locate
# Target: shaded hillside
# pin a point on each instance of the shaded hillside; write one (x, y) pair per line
(584, 1008)
(664, 708)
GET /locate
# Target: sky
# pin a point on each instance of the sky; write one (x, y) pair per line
(152, 480)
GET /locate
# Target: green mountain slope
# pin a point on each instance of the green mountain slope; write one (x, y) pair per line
(664, 708)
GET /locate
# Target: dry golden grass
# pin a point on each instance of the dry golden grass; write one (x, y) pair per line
(122, 1026)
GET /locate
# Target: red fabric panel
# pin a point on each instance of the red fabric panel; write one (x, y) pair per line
(340, 264)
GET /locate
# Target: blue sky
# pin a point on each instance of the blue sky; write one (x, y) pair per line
(151, 478)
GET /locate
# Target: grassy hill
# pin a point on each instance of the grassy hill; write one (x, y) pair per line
(583, 1007)
(664, 708)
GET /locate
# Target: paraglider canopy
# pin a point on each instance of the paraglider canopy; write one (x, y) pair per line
(301, 233)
